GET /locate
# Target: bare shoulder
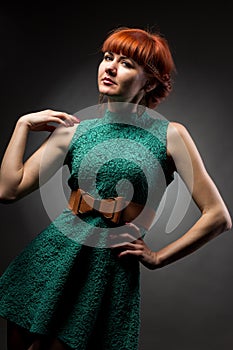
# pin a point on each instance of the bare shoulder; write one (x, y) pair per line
(179, 138)
(176, 129)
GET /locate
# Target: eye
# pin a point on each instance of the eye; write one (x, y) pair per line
(108, 57)
(127, 64)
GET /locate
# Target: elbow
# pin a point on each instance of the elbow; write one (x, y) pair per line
(225, 221)
(228, 223)
(220, 221)
(6, 198)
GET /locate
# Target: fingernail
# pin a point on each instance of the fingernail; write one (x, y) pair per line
(76, 118)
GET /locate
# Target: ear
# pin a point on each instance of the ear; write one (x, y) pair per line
(150, 84)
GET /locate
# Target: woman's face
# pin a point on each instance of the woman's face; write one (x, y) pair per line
(121, 78)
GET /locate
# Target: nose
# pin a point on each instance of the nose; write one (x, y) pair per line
(111, 68)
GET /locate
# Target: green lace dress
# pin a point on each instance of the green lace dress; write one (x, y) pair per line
(67, 282)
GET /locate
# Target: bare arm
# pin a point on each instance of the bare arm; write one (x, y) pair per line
(18, 178)
(214, 218)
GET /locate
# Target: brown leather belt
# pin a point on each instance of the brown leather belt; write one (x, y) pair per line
(117, 210)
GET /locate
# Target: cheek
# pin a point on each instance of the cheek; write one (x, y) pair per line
(136, 82)
(100, 70)
(127, 79)
(140, 83)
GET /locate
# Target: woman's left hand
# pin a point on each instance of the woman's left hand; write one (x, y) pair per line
(132, 244)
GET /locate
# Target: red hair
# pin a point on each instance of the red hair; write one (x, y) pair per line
(149, 50)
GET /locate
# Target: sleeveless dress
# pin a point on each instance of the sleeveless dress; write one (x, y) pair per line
(67, 282)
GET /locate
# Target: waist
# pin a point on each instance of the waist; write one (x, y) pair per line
(118, 210)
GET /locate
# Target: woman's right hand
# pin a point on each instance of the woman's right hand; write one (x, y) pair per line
(39, 121)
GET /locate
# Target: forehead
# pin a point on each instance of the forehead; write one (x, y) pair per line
(133, 45)
(120, 55)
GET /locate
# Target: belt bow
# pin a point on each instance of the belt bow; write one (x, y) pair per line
(116, 209)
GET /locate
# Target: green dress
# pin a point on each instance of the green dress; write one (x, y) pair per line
(76, 288)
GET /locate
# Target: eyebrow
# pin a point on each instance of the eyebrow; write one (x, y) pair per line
(121, 56)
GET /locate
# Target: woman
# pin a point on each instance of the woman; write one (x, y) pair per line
(65, 290)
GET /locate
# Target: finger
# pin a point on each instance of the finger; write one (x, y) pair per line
(131, 224)
(58, 120)
(66, 116)
(123, 237)
(127, 245)
(76, 119)
(127, 236)
(134, 228)
(137, 253)
(68, 119)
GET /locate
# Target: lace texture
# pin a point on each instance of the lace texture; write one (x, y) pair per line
(85, 295)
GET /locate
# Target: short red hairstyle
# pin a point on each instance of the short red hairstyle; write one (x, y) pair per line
(148, 49)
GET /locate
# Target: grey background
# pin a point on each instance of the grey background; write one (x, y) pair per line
(49, 57)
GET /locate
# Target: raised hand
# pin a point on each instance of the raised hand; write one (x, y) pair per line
(39, 121)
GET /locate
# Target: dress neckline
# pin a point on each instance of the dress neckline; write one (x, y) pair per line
(123, 117)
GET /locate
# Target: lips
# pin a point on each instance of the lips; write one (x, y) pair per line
(108, 81)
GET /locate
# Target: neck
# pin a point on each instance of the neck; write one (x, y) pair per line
(122, 107)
